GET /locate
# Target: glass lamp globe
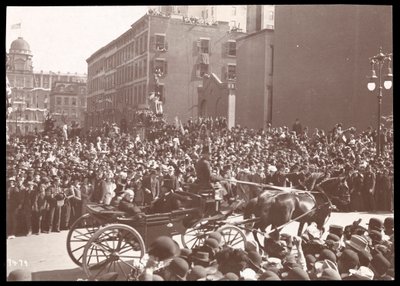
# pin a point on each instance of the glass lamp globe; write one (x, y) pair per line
(371, 86)
(387, 84)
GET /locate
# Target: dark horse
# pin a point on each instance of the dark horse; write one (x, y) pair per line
(276, 208)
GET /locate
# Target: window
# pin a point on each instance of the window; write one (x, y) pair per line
(212, 11)
(202, 69)
(73, 101)
(231, 72)
(160, 67)
(204, 46)
(58, 100)
(233, 11)
(160, 42)
(232, 48)
(271, 15)
(66, 100)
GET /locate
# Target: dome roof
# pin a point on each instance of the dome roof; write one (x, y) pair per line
(20, 44)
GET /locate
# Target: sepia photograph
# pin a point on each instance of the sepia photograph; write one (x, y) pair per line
(199, 143)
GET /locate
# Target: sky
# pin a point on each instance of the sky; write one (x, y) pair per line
(61, 38)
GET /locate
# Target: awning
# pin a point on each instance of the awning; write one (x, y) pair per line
(204, 59)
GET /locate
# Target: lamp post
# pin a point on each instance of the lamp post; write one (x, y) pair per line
(379, 61)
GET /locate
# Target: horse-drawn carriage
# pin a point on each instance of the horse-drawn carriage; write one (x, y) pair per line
(106, 239)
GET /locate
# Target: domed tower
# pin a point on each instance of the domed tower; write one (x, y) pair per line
(20, 56)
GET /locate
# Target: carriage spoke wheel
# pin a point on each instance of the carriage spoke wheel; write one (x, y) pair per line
(232, 236)
(79, 234)
(196, 235)
(113, 248)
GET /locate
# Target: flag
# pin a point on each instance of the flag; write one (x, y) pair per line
(16, 26)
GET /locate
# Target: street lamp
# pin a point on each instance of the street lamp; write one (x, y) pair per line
(379, 61)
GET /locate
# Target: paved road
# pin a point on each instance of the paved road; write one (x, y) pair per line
(46, 256)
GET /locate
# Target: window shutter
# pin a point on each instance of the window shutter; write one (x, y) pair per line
(165, 67)
(198, 70)
(166, 45)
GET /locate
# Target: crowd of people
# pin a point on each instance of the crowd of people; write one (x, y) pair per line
(51, 179)
(342, 253)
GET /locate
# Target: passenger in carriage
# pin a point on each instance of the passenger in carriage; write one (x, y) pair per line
(204, 171)
(127, 205)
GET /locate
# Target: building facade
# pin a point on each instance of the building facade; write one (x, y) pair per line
(260, 17)
(218, 99)
(254, 88)
(321, 62)
(162, 54)
(68, 102)
(30, 90)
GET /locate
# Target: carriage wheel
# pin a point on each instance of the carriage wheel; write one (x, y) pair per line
(79, 234)
(196, 235)
(113, 248)
(232, 236)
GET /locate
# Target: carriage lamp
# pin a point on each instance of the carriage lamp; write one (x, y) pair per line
(374, 80)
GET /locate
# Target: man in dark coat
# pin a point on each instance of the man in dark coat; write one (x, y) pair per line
(204, 172)
(369, 189)
(151, 184)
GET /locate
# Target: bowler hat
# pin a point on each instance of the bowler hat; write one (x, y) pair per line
(197, 272)
(333, 237)
(230, 276)
(349, 258)
(269, 276)
(388, 223)
(212, 243)
(327, 254)
(376, 236)
(375, 224)
(163, 248)
(216, 235)
(296, 273)
(380, 264)
(179, 267)
(255, 259)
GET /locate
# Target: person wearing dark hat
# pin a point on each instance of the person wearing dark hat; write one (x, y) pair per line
(348, 259)
(269, 276)
(369, 189)
(375, 224)
(176, 270)
(201, 258)
(15, 199)
(388, 225)
(29, 194)
(296, 273)
(336, 229)
(380, 266)
(327, 254)
(204, 174)
(197, 273)
(229, 277)
(254, 261)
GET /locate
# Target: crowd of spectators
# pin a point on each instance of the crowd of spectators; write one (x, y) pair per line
(342, 253)
(51, 179)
